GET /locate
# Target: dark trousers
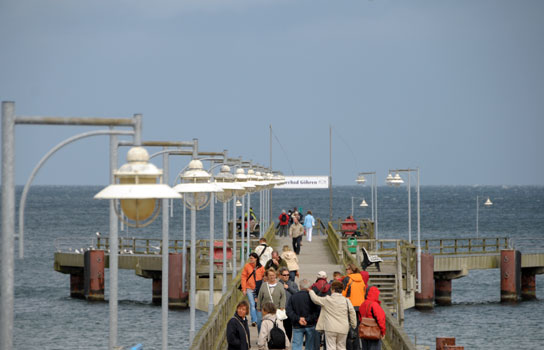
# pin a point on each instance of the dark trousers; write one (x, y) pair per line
(296, 244)
(288, 328)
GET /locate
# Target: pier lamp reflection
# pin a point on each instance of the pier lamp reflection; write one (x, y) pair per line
(138, 186)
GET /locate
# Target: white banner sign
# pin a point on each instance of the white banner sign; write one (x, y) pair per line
(308, 182)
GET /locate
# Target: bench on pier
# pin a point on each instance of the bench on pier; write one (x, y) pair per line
(370, 259)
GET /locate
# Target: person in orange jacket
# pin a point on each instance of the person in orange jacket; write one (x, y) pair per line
(251, 280)
(354, 290)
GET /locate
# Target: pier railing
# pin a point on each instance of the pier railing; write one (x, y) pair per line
(460, 246)
(212, 335)
(402, 255)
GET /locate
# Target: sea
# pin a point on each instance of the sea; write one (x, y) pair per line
(60, 216)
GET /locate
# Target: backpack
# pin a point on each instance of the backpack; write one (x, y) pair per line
(276, 338)
(284, 218)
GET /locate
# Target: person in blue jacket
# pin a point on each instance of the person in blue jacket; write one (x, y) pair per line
(309, 223)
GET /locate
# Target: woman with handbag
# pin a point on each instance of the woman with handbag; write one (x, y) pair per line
(371, 310)
(274, 292)
(337, 316)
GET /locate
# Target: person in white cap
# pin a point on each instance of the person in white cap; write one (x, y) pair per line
(321, 287)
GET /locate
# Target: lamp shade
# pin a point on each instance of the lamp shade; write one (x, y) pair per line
(135, 185)
(225, 180)
(360, 179)
(196, 186)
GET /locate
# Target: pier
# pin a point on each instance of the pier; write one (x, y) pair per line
(330, 250)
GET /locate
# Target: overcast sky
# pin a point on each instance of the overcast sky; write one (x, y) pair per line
(453, 87)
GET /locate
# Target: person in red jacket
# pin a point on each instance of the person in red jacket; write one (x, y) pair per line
(321, 287)
(371, 308)
(283, 224)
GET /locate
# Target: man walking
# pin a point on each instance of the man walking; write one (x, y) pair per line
(303, 314)
(295, 232)
(284, 223)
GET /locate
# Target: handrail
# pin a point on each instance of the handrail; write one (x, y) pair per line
(395, 337)
(452, 246)
(212, 335)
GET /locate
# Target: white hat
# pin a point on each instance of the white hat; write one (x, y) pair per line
(321, 274)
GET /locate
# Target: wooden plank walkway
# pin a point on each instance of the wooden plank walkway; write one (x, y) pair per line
(314, 256)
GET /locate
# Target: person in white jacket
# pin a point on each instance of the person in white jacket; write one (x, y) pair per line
(333, 318)
(291, 259)
(264, 251)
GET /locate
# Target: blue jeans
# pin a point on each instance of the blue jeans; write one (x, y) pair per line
(298, 335)
(255, 315)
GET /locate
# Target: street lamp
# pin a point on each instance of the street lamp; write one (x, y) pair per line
(374, 195)
(138, 185)
(487, 203)
(197, 194)
(397, 181)
(363, 204)
(226, 181)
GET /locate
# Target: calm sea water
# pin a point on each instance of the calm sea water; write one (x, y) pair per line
(47, 318)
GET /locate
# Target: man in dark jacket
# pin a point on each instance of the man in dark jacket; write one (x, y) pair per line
(237, 328)
(303, 314)
(290, 289)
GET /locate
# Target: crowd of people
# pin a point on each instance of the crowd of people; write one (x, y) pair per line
(290, 315)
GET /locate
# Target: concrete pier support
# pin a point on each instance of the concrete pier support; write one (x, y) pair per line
(157, 291)
(425, 299)
(510, 275)
(442, 290)
(77, 284)
(176, 298)
(94, 275)
(528, 284)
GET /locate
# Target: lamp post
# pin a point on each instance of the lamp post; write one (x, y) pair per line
(9, 120)
(196, 189)
(487, 203)
(397, 181)
(374, 195)
(135, 185)
(226, 181)
(363, 203)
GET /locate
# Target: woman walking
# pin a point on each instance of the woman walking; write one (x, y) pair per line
(252, 277)
(272, 291)
(371, 308)
(270, 321)
(237, 329)
(309, 223)
(337, 315)
(291, 259)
